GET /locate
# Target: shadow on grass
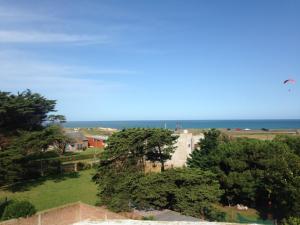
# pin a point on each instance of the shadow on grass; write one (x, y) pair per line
(247, 220)
(27, 185)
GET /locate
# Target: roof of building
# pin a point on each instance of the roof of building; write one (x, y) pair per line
(141, 222)
(166, 215)
(77, 136)
(99, 137)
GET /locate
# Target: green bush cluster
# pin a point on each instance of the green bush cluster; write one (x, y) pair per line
(292, 221)
(10, 209)
(188, 191)
(264, 175)
(83, 166)
(78, 157)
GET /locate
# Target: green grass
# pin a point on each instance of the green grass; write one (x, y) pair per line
(94, 131)
(86, 152)
(91, 151)
(237, 216)
(57, 191)
(82, 155)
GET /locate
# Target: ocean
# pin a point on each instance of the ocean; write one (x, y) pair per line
(185, 124)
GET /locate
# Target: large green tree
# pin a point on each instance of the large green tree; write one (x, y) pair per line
(124, 158)
(200, 156)
(23, 111)
(24, 131)
(160, 145)
(260, 174)
(132, 147)
(188, 191)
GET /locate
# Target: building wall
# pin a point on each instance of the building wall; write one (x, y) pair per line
(185, 145)
(98, 143)
(66, 215)
(77, 146)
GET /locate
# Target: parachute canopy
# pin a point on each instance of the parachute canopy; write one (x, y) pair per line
(289, 81)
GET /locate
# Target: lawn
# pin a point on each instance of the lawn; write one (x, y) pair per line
(88, 151)
(237, 216)
(88, 154)
(57, 191)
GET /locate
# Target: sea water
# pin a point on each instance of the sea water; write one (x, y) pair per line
(185, 124)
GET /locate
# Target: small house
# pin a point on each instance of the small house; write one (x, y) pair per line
(97, 141)
(79, 141)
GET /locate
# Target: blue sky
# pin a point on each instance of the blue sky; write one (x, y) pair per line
(158, 59)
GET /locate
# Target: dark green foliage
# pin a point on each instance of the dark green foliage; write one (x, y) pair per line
(39, 141)
(83, 166)
(131, 147)
(78, 157)
(292, 141)
(125, 149)
(123, 184)
(188, 191)
(57, 119)
(160, 145)
(23, 135)
(291, 221)
(17, 209)
(3, 204)
(260, 174)
(23, 111)
(148, 218)
(212, 139)
(124, 158)
(114, 189)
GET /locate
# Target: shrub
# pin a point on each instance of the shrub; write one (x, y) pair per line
(3, 203)
(148, 217)
(18, 209)
(78, 157)
(188, 191)
(83, 166)
(292, 221)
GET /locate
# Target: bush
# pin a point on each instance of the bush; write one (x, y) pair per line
(213, 214)
(18, 209)
(187, 191)
(3, 203)
(148, 217)
(78, 157)
(83, 166)
(292, 221)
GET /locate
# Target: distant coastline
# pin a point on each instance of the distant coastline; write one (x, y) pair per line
(190, 124)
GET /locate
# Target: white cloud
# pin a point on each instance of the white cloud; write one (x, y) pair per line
(23, 26)
(19, 73)
(42, 37)
(9, 14)
(16, 63)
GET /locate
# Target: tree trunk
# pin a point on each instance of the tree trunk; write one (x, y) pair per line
(162, 169)
(162, 166)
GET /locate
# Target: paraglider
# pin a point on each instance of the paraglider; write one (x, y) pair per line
(289, 82)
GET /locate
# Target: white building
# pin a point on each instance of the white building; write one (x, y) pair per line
(185, 145)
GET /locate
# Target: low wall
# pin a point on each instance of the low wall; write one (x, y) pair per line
(66, 215)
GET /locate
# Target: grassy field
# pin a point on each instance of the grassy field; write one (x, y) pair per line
(256, 134)
(237, 216)
(69, 188)
(95, 131)
(85, 152)
(57, 191)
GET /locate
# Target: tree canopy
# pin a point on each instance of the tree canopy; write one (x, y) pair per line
(23, 111)
(130, 148)
(24, 131)
(261, 174)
